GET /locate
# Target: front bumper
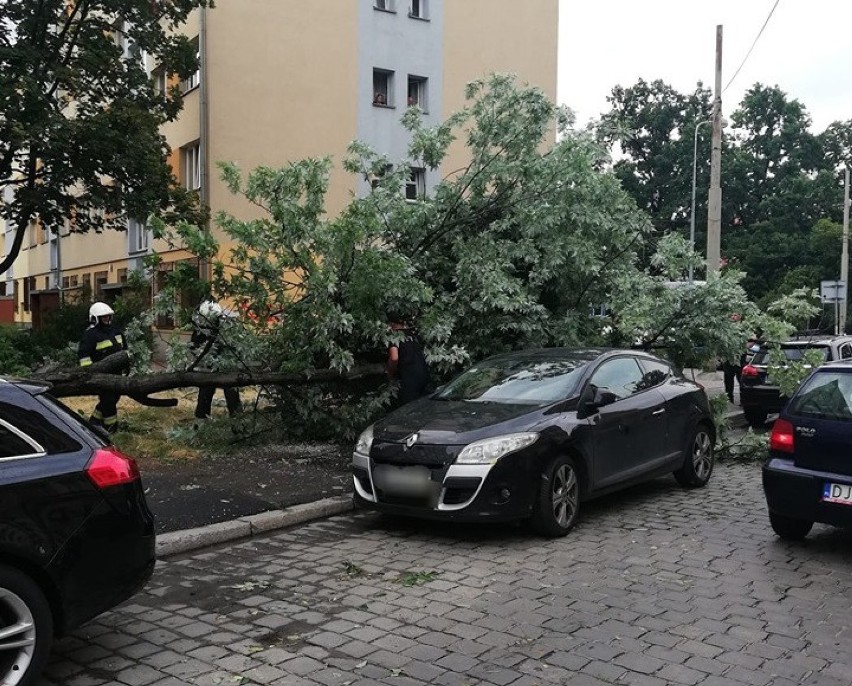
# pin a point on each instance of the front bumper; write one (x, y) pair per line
(504, 491)
(795, 492)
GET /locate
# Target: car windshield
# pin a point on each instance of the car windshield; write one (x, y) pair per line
(827, 395)
(791, 354)
(522, 381)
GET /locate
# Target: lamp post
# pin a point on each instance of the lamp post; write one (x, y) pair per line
(692, 206)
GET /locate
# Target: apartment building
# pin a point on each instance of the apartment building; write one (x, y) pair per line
(282, 80)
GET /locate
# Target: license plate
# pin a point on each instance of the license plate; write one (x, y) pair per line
(837, 493)
(404, 481)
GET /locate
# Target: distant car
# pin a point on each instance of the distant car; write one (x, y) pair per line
(76, 535)
(808, 476)
(530, 435)
(760, 397)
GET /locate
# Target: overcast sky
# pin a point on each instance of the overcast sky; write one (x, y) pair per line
(806, 50)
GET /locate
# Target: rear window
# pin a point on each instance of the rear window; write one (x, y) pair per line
(37, 427)
(793, 354)
(826, 395)
(81, 423)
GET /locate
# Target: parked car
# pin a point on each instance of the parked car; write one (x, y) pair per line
(76, 535)
(808, 476)
(530, 435)
(760, 397)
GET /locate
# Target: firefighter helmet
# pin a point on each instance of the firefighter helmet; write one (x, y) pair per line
(98, 310)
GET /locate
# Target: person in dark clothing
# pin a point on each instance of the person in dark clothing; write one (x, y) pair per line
(99, 341)
(407, 363)
(731, 371)
(207, 323)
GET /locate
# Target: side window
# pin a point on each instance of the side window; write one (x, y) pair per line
(622, 376)
(37, 427)
(655, 373)
(12, 445)
(845, 351)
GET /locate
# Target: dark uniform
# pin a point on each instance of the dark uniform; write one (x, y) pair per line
(205, 331)
(100, 341)
(411, 370)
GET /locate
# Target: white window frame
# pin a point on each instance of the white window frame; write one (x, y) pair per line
(191, 166)
(418, 9)
(385, 88)
(419, 86)
(160, 80)
(384, 5)
(415, 186)
(138, 237)
(194, 80)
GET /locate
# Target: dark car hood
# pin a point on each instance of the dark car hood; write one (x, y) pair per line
(450, 422)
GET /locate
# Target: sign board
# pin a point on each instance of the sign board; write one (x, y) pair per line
(832, 291)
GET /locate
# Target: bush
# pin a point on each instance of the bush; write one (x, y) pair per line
(17, 352)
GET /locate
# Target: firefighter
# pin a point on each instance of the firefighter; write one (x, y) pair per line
(99, 341)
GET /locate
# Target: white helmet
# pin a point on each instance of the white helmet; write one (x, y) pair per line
(210, 310)
(98, 310)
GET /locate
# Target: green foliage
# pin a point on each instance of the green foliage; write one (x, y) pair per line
(512, 251)
(781, 183)
(15, 351)
(80, 118)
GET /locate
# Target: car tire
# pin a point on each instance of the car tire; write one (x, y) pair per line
(558, 503)
(755, 417)
(698, 458)
(23, 602)
(789, 528)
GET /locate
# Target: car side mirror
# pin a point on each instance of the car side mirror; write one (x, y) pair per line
(601, 398)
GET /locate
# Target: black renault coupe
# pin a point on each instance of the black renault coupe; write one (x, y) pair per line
(530, 435)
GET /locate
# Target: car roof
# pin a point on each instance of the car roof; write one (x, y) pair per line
(588, 354)
(835, 366)
(821, 341)
(8, 383)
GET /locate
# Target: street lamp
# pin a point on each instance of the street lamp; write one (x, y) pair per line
(692, 207)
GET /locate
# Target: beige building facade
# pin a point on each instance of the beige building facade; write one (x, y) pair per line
(282, 80)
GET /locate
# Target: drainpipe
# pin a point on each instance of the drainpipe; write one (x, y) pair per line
(204, 126)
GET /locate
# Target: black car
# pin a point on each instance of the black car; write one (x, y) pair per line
(76, 535)
(759, 397)
(808, 476)
(529, 435)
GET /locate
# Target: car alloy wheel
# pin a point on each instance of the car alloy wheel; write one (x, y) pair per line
(26, 628)
(698, 459)
(559, 498)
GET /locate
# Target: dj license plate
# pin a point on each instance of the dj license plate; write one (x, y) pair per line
(837, 493)
(403, 481)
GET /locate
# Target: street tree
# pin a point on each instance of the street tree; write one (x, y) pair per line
(79, 117)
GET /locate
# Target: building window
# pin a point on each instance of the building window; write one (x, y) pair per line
(138, 237)
(159, 80)
(417, 9)
(191, 166)
(193, 80)
(384, 5)
(100, 281)
(382, 88)
(415, 187)
(417, 92)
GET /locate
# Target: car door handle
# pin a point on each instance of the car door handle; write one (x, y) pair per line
(657, 412)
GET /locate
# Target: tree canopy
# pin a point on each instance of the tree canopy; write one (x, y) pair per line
(79, 117)
(779, 179)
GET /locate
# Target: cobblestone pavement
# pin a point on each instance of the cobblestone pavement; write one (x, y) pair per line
(657, 585)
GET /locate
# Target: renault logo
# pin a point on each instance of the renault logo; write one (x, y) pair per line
(411, 440)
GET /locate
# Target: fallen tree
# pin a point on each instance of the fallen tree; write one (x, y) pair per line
(105, 377)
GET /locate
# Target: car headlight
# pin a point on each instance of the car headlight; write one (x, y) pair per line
(489, 450)
(365, 441)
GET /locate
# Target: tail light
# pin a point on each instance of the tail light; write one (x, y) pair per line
(750, 371)
(781, 438)
(109, 467)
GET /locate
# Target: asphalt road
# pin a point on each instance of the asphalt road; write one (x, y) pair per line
(657, 585)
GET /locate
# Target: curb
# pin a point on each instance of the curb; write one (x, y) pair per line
(188, 540)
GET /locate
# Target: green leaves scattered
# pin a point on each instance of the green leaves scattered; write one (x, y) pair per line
(416, 578)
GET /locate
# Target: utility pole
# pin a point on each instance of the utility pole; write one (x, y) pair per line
(844, 259)
(714, 200)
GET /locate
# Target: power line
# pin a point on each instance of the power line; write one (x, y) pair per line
(759, 34)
